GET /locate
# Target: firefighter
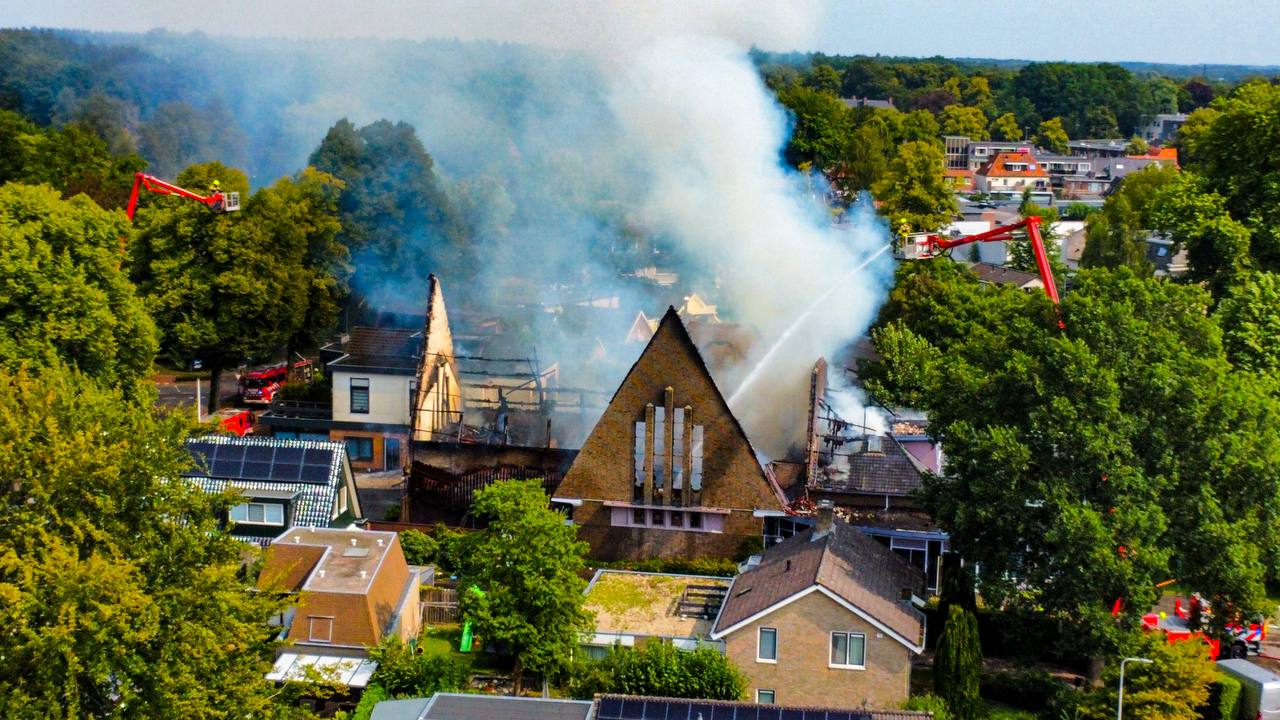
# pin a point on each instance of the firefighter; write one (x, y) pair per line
(215, 191)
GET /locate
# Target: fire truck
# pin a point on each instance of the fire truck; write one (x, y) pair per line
(1244, 639)
(259, 387)
(217, 200)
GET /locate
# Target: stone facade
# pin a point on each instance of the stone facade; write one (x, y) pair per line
(802, 674)
(668, 443)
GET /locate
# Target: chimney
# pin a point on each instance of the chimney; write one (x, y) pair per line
(826, 518)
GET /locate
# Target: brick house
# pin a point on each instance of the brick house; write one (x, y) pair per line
(825, 614)
(1011, 173)
(667, 471)
(355, 588)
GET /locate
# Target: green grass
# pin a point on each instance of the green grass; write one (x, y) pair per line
(444, 639)
(997, 711)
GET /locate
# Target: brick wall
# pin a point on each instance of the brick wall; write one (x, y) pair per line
(610, 543)
(802, 676)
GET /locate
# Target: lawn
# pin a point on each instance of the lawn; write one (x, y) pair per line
(443, 640)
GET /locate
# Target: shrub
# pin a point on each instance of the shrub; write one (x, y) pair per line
(401, 671)
(958, 663)
(658, 669)
(684, 566)
(419, 548)
(1224, 699)
(1027, 689)
(930, 704)
(373, 694)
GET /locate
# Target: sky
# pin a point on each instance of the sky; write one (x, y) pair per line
(1175, 31)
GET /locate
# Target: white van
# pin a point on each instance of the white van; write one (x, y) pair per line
(1260, 692)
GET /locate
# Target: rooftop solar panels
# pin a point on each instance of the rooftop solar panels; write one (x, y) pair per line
(262, 462)
(636, 708)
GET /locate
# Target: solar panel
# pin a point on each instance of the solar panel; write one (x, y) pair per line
(721, 712)
(838, 715)
(610, 709)
(257, 471)
(792, 714)
(289, 455)
(696, 709)
(768, 713)
(285, 472)
(225, 468)
(746, 712)
(315, 474)
(259, 453)
(316, 456)
(231, 453)
(634, 710)
(200, 454)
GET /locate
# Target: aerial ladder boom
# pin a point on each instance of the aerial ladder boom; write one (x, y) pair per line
(923, 246)
(218, 201)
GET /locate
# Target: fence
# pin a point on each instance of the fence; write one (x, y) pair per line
(440, 606)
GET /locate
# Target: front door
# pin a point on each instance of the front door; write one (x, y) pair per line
(391, 453)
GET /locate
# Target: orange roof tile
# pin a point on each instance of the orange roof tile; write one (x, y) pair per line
(996, 166)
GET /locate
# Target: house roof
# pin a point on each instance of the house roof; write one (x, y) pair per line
(381, 349)
(998, 166)
(844, 564)
(348, 559)
(634, 707)
(1001, 275)
(640, 603)
(858, 470)
(458, 706)
(315, 470)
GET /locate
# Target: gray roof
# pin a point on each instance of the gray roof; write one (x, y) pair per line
(387, 349)
(999, 274)
(846, 563)
(314, 470)
(410, 709)
(888, 471)
(632, 707)
(458, 706)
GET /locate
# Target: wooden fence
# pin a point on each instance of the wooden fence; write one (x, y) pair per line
(440, 606)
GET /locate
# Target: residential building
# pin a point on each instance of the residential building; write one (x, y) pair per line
(989, 274)
(1161, 128)
(1167, 260)
(854, 103)
(284, 483)
(634, 607)
(960, 179)
(1010, 173)
(629, 707)
(827, 613)
(667, 471)
(981, 152)
(460, 706)
(1099, 148)
(354, 589)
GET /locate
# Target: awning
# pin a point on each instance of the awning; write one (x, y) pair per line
(349, 671)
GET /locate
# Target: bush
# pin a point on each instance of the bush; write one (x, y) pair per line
(373, 694)
(658, 669)
(1027, 689)
(419, 548)
(683, 566)
(401, 671)
(930, 704)
(958, 663)
(1224, 699)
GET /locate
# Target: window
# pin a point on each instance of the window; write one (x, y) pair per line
(359, 448)
(695, 520)
(258, 513)
(637, 516)
(767, 645)
(764, 697)
(360, 395)
(848, 650)
(677, 519)
(658, 518)
(319, 629)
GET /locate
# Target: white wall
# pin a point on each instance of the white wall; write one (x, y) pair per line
(388, 398)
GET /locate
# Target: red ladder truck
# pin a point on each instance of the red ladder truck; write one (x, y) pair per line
(218, 201)
(924, 246)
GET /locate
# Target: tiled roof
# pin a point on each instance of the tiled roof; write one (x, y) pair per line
(636, 707)
(889, 471)
(997, 166)
(989, 273)
(847, 563)
(381, 348)
(317, 485)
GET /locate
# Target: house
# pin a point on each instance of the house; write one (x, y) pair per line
(979, 152)
(354, 588)
(1162, 127)
(632, 607)
(827, 613)
(960, 179)
(989, 274)
(1103, 148)
(629, 707)
(459, 706)
(854, 103)
(1167, 261)
(1011, 173)
(667, 471)
(284, 483)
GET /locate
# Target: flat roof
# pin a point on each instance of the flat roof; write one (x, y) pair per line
(348, 553)
(638, 603)
(349, 671)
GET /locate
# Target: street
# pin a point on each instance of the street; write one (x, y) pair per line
(182, 394)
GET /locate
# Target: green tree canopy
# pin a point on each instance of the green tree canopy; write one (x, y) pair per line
(1250, 319)
(119, 593)
(914, 189)
(824, 79)
(822, 124)
(1117, 236)
(1006, 127)
(1197, 218)
(966, 121)
(72, 159)
(65, 298)
(1072, 479)
(1052, 136)
(1137, 146)
(527, 563)
(957, 664)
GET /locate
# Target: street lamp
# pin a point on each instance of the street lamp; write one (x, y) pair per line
(1120, 700)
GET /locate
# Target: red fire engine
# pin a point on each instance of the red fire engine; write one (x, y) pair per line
(218, 201)
(234, 420)
(259, 387)
(1245, 639)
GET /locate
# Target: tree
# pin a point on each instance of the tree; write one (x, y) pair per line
(1006, 127)
(1194, 217)
(527, 563)
(824, 79)
(226, 286)
(1021, 254)
(1250, 325)
(1052, 137)
(71, 159)
(122, 597)
(957, 664)
(65, 299)
(1174, 687)
(920, 125)
(404, 672)
(1071, 477)
(1100, 122)
(1137, 146)
(966, 121)
(822, 124)
(914, 189)
(1115, 238)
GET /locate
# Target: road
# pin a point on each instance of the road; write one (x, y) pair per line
(182, 394)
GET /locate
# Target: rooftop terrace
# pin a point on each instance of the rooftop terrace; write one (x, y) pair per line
(678, 606)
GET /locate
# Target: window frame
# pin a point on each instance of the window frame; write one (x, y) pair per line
(352, 388)
(311, 628)
(846, 665)
(248, 514)
(773, 697)
(760, 631)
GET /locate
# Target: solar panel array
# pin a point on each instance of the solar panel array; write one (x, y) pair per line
(262, 462)
(616, 708)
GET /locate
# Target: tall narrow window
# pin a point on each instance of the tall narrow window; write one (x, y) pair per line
(677, 452)
(360, 396)
(695, 475)
(767, 645)
(640, 451)
(659, 449)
